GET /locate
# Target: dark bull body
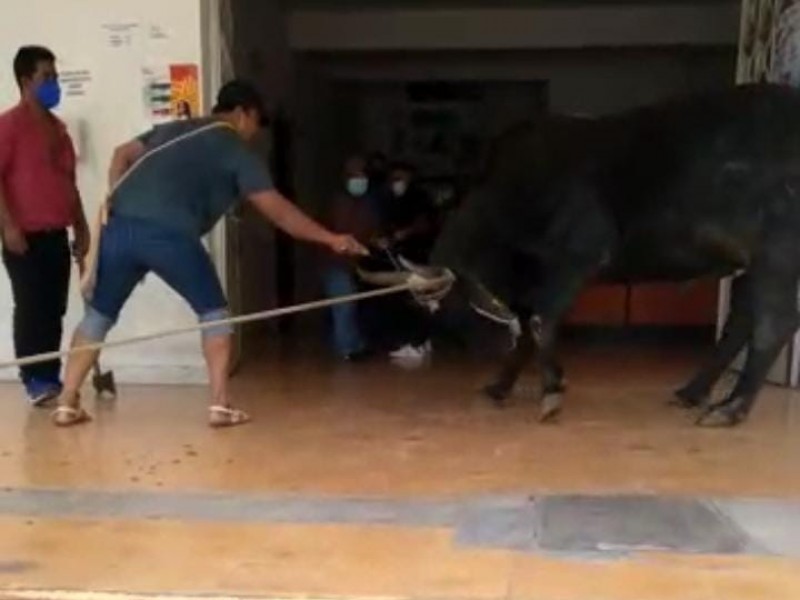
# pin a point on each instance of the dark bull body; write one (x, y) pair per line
(701, 186)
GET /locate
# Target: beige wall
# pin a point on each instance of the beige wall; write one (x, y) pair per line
(111, 111)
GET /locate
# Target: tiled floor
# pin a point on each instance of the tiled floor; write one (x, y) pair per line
(368, 481)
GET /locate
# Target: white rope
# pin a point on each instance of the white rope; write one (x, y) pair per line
(412, 284)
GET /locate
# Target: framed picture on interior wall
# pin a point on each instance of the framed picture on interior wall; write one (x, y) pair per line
(757, 40)
(786, 61)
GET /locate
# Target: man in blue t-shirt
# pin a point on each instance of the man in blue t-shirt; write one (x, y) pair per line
(170, 186)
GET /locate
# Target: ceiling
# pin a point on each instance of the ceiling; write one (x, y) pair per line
(435, 4)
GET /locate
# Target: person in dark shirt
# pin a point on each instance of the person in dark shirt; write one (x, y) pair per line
(168, 188)
(351, 211)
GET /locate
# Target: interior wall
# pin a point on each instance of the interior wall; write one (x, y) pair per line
(113, 40)
(569, 25)
(382, 106)
(588, 81)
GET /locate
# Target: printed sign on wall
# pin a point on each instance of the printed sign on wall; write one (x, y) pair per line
(157, 94)
(171, 92)
(185, 91)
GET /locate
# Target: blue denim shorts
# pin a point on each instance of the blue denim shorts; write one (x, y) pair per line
(132, 248)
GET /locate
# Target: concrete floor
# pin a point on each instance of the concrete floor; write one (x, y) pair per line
(369, 481)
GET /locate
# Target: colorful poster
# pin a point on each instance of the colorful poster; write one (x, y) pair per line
(185, 91)
(157, 94)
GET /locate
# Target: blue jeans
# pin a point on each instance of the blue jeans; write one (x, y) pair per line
(347, 337)
(131, 248)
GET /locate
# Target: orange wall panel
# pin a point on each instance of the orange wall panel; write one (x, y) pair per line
(675, 304)
(599, 305)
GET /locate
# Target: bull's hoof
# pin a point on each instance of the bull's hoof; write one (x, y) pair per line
(721, 416)
(551, 408)
(497, 393)
(688, 399)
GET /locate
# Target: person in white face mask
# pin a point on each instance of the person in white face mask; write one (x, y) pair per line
(409, 219)
(352, 212)
(409, 230)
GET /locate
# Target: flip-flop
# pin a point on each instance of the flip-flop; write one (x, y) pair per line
(225, 416)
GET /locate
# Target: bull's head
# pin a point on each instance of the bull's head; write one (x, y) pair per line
(431, 284)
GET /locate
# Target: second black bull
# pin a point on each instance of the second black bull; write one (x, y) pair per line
(701, 186)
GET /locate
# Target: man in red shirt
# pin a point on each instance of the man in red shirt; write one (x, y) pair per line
(39, 202)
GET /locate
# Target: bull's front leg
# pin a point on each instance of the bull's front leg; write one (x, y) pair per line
(552, 302)
(734, 337)
(551, 372)
(775, 319)
(502, 386)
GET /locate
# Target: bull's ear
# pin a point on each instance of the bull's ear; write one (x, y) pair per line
(487, 304)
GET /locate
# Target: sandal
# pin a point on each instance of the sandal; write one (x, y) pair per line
(67, 416)
(225, 416)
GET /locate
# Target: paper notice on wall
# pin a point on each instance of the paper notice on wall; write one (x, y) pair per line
(157, 94)
(75, 83)
(121, 35)
(185, 90)
(157, 33)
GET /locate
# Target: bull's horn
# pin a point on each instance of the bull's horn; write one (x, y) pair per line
(488, 305)
(383, 278)
(422, 270)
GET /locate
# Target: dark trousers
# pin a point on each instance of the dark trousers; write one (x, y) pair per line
(40, 286)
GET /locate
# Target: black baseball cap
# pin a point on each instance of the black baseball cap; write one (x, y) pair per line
(238, 93)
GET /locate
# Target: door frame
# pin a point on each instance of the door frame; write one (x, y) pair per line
(217, 38)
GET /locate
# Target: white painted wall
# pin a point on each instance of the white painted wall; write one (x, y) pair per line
(112, 112)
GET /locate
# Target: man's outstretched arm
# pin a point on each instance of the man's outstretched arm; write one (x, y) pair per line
(287, 217)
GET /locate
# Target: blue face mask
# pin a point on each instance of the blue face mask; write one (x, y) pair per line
(357, 186)
(49, 94)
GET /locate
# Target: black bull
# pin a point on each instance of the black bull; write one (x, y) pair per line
(696, 187)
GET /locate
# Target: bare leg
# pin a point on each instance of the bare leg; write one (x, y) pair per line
(69, 411)
(217, 352)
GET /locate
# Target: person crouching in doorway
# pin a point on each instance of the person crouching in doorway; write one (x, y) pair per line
(351, 212)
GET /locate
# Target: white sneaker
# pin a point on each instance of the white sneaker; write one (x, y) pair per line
(408, 352)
